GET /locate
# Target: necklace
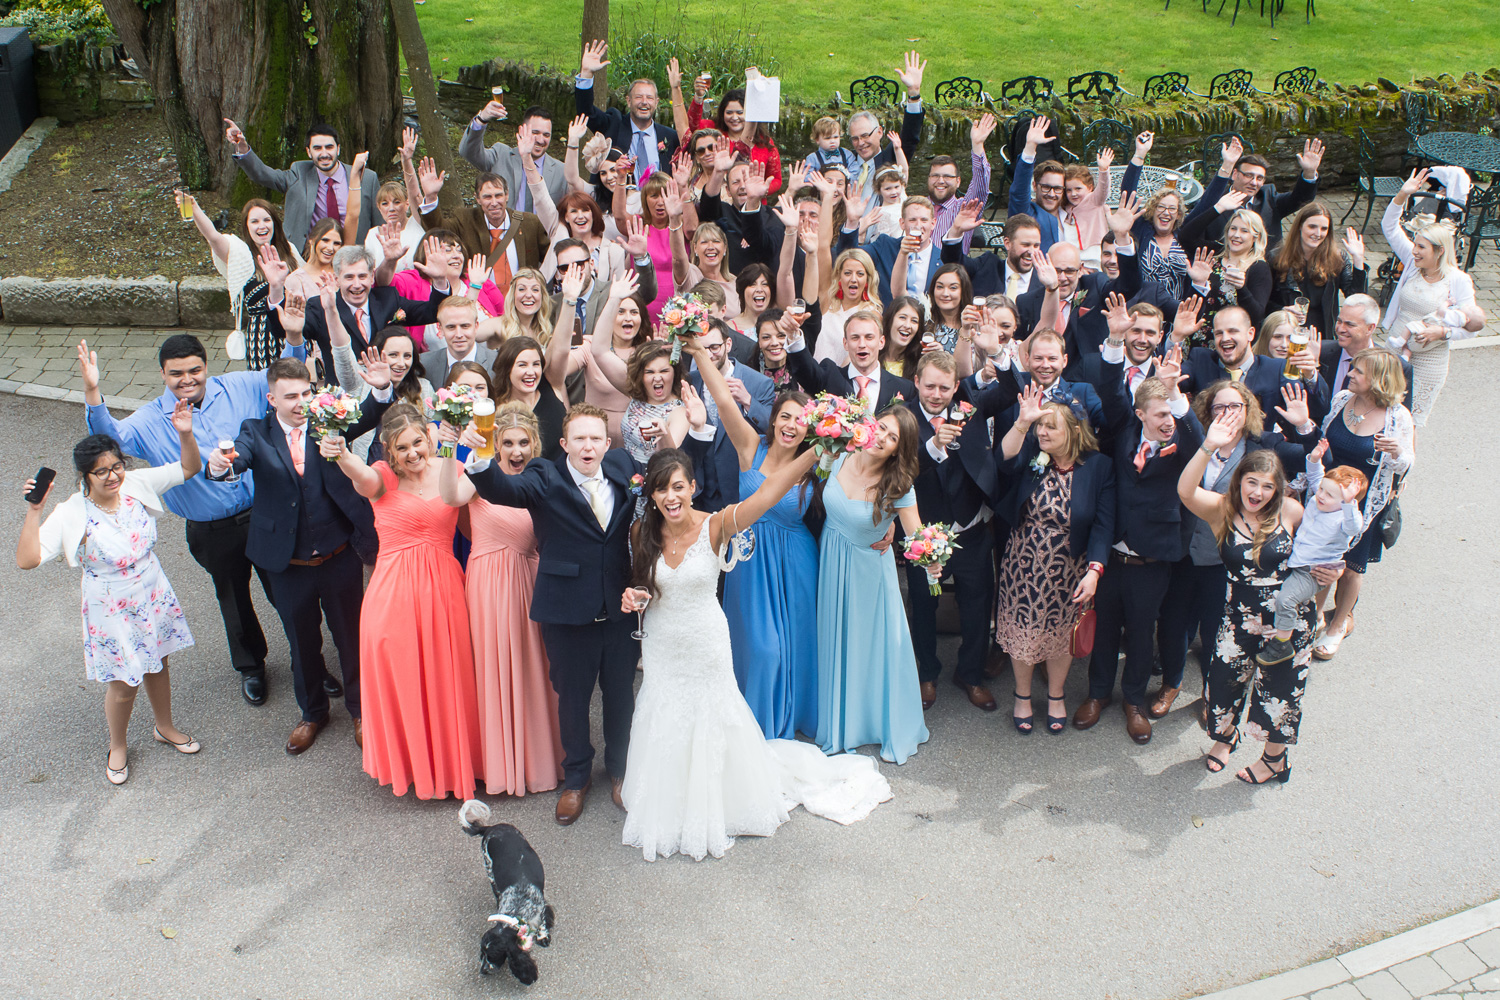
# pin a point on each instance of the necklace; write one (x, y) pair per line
(674, 542)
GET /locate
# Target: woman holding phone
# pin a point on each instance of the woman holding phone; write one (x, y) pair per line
(131, 619)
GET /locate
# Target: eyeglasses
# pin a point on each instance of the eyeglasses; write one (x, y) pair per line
(1050, 188)
(865, 135)
(942, 177)
(1069, 272)
(1221, 408)
(118, 469)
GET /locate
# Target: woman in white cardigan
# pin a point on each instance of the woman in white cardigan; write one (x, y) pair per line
(131, 619)
(1433, 304)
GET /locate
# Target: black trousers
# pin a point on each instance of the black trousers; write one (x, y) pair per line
(304, 596)
(219, 547)
(1128, 602)
(1194, 603)
(601, 653)
(973, 572)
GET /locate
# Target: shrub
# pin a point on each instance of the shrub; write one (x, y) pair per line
(53, 21)
(641, 43)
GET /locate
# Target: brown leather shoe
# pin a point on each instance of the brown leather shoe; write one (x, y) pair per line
(979, 697)
(1136, 724)
(997, 663)
(359, 733)
(1163, 703)
(615, 784)
(570, 803)
(1088, 713)
(303, 736)
(929, 694)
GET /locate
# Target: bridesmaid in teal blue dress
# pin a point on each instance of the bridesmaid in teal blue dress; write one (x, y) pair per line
(769, 599)
(868, 691)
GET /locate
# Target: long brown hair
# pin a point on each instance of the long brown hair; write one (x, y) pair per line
(901, 469)
(635, 368)
(410, 387)
(1264, 462)
(1255, 417)
(1293, 260)
(310, 248)
(505, 359)
(647, 548)
(278, 237)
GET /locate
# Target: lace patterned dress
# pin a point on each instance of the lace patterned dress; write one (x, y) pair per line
(1429, 362)
(700, 772)
(1034, 618)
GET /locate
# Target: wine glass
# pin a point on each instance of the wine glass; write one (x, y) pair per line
(1301, 304)
(642, 598)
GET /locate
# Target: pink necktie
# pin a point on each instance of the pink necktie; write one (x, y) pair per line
(363, 324)
(294, 444)
(862, 385)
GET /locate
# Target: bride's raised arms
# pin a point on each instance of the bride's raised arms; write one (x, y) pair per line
(739, 516)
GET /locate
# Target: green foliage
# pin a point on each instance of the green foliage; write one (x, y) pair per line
(53, 21)
(643, 40)
(309, 33)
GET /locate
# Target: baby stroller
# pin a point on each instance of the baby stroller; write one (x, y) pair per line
(1445, 197)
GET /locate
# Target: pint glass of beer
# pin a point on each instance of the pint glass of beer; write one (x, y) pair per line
(484, 423)
(1296, 344)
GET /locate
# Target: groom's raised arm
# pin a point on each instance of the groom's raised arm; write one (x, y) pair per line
(528, 488)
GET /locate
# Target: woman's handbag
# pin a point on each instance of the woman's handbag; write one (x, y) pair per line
(1390, 522)
(1081, 643)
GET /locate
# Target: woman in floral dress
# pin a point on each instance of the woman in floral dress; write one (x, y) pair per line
(131, 619)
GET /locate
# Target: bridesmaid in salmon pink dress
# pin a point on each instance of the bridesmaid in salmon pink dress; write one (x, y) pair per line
(421, 719)
(517, 706)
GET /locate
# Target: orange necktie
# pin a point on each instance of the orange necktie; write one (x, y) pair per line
(501, 271)
(294, 444)
(1142, 455)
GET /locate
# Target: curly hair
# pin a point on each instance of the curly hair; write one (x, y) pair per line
(635, 368)
(1255, 417)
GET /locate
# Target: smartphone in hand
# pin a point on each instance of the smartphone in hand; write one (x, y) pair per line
(44, 477)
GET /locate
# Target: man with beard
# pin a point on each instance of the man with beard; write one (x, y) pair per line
(316, 188)
(1044, 202)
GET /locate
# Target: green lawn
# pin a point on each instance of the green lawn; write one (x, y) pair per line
(822, 46)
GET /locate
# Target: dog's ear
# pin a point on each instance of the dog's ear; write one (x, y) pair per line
(494, 949)
(523, 966)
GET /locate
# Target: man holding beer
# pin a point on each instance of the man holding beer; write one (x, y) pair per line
(1231, 358)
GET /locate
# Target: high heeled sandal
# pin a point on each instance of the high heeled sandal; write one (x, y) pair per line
(1023, 726)
(1248, 776)
(1057, 723)
(1214, 764)
(116, 777)
(188, 745)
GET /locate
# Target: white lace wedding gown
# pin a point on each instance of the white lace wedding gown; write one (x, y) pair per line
(700, 772)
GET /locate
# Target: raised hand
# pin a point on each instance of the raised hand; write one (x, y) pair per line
(635, 237)
(967, 218)
(1231, 152)
(593, 59)
(1355, 245)
(390, 240)
(577, 129)
(674, 74)
(432, 267)
(854, 203)
(479, 269)
(88, 367)
(273, 267)
(183, 198)
(408, 143)
(624, 286)
(807, 237)
(182, 417)
(1319, 450)
(357, 168)
(1029, 404)
(682, 169)
(1106, 157)
(430, 179)
(376, 371)
(1186, 322)
(1310, 158)
(327, 293)
(1143, 143)
(235, 136)
(1224, 430)
(1117, 316)
(1045, 272)
(572, 282)
(980, 131)
(1295, 413)
(331, 446)
(1123, 216)
(1201, 267)
(787, 212)
(756, 184)
(293, 313)
(1036, 134)
(30, 485)
(911, 75)
(525, 144)
(1169, 368)
(1414, 183)
(894, 138)
(723, 157)
(697, 413)
(1231, 201)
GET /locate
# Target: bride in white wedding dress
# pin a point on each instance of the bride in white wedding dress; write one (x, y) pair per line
(700, 771)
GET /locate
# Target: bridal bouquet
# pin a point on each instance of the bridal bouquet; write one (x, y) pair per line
(933, 545)
(837, 424)
(332, 411)
(452, 405)
(683, 316)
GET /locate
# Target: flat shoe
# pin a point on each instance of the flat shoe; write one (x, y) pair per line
(188, 745)
(116, 777)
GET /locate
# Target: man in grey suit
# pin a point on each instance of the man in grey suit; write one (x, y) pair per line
(458, 320)
(316, 188)
(536, 124)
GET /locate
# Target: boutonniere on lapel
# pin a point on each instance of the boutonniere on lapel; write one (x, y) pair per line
(661, 147)
(637, 483)
(399, 316)
(1041, 461)
(1170, 449)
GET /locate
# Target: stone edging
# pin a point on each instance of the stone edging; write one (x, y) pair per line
(199, 302)
(1371, 958)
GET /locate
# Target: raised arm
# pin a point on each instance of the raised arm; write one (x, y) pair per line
(786, 286)
(258, 172)
(352, 203)
(741, 434)
(560, 346)
(745, 513)
(680, 263)
(542, 205)
(1029, 411)
(610, 365)
(367, 482)
(679, 105)
(455, 490)
(218, 243)
(1207, 504)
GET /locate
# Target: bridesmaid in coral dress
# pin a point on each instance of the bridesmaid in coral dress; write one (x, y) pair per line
(522, 749)
(421, 720)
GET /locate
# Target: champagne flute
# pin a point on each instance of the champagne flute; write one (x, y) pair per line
(642, 599)
(1301, 304)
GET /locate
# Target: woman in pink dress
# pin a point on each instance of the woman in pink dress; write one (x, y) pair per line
(517, 705)
(653, 213)
(421, 719)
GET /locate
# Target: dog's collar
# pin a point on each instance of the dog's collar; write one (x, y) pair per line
(523, 932)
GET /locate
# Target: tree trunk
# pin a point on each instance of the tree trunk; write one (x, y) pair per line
(596, 28)
(275, 68)
(424, 92)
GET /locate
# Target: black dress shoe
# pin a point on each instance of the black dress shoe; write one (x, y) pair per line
(253, 687)
(332, 688)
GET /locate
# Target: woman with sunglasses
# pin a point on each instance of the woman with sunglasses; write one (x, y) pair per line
(131, 619)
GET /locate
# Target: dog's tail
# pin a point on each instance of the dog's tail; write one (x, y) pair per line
(474, 816)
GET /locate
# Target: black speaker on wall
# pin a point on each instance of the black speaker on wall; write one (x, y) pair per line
(17, 86)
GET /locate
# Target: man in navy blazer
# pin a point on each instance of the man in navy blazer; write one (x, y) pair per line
(1354, 331)
(1046, 359)
(755, 393)
(1231, 358)
(913, 255)
(311, 533)
(957, 484)
(1246, 174)
(863, 376)
(991, 273)
(1064, 297)
(636, 134)
(1151, 534)
(1048, 189)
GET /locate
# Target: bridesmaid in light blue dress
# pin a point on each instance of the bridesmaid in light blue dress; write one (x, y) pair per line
(769, 599)
(868, 691)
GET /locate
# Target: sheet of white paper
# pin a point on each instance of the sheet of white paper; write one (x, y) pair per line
(763, 99)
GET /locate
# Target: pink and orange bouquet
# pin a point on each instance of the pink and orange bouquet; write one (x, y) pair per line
(331, 411)
(683, 316)
(837, 425)
(453, 405)
(933, 545)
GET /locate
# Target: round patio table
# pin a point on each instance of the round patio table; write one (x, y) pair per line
(1153, 179)
(1479, 153)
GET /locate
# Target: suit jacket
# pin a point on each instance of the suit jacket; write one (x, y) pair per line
(1021, 204)
(261, 446)
(1203, 368)
(762, 393)
(883, 250)
(911, 138)
(582, 568)
(1087, 326)
(1270, 206)
(531, 239)
(829, 376)
(382, 303)
(1091, 527)
(986, 268)
(754, 237)
(300, 182)
(505, 161)
(1328, 369)
(599, 294)
(435, 362)
(615, 125)
(956, 488)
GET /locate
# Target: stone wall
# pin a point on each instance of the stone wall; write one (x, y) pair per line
(1275, 124)
(76, 82)
(197, 302)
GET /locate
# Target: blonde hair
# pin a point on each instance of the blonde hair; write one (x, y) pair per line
(1081, 438)
(517, 415)
(824, 127)
(1440, 235)
(1268, 326)
(394, 190)
(458, 302)
(709, 231)
(1256, 225)
(872, 278)
(510, 317)
(1383, 369)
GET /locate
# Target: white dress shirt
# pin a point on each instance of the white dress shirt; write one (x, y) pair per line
(871, 395)
(298, 450)
(606, 492)
(1112, 354)
(473, 353)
